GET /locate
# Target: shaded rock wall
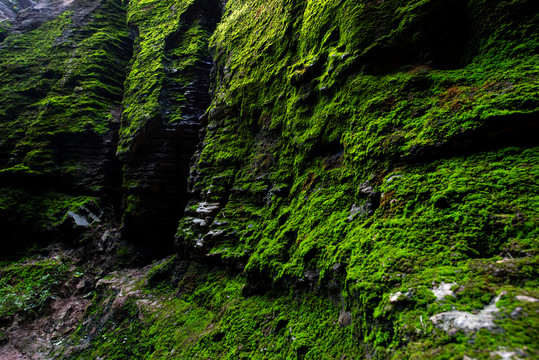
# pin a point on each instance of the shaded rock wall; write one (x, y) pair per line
(63, 65)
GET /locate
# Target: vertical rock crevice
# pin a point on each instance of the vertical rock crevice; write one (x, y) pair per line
(156, 166)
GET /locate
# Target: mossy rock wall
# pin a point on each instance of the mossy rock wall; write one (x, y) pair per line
(166, 94)
(62, 68)
(364, 172)
(366, 149)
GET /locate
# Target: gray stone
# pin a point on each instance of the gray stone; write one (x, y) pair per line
(466, 321)
(526, 298)
(345, 318)
(505, 354)
(392, 177)
(443, 290)
(80, 220)
(400, 296)
(516, 312)
(207, 209)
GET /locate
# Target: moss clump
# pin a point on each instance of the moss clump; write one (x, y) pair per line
(61, 85)
(171, 42)
(360, 155)
(161, 272)
(40, 216)
(61, 78)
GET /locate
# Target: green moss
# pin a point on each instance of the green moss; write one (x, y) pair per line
(214, 320)
(61, 78)
(27, 286)
(161, 272)
(159, 65)
(36, 217)
(322, 109)
(358, 151)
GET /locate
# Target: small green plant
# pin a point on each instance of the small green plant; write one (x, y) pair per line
(124, 256)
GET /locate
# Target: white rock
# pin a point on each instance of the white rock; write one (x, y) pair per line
(505, 355)
(466, 321)
(205, 209)
(443, 290)
(526, 298)
(394, 297)
(80, 220)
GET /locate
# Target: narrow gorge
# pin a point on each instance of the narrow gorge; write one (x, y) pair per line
(278, 179)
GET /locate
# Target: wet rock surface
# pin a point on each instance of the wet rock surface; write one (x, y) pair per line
(27, 15)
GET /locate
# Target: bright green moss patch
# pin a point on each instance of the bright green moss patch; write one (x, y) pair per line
(27, 286)
(361, 149)
(159, 66)
(367, 168)
(61, 85)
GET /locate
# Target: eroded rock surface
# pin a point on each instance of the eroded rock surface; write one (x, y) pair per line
(468, 322)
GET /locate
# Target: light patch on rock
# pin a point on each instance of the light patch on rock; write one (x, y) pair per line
(462, 320)
(392, 177)
(345, 318)
(505, 354)
(200, 222)
(398, 296)
(199, 242)
(395, 297)
(83, 217)
(526, 298)
(93, 216)
(47, 4)
(80, 220)
(443, 290)
(215, 233)
(353, 212)
(207, 209)
(105, 235)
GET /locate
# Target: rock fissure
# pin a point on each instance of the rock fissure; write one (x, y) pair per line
(157, 165)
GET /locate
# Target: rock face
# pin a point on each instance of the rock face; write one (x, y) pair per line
(329, 175)
(63, 66)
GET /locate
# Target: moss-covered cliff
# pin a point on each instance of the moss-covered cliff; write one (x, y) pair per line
(61, 87)
(330, 179)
